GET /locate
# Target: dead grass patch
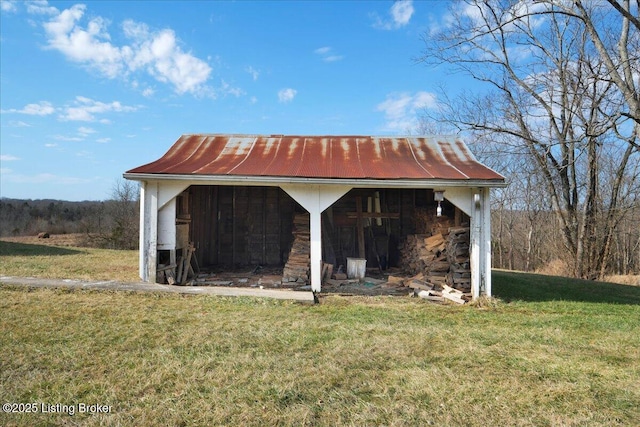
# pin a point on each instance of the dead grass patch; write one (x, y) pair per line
(629, 279)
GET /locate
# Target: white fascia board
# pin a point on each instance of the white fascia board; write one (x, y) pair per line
(277, 181)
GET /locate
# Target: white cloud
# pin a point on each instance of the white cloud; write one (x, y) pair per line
(82, 130)
(161, 56)
(327, 55)
(333, 58)
(254, 73)
(401, 109)
(18, 124)
(89, 46)
(479, 14)
(43, 108)
(46, 178)
(8, 158)
(148, 92)
(156, 53)
(400, 15)
(85, 110)
(226, 89)
(401, 12)
(68, 138)
(50, 145)
(103, 140)
(41, 7)
(8, 6)
(287, 95)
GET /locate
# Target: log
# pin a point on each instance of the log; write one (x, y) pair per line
(430, 295)
(396, 279)
(180, 267)
(419, 284)
(298, 262)
(452, 294)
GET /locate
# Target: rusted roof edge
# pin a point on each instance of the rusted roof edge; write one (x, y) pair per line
(354, 182)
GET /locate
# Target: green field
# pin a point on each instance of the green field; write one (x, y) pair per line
(175, 360)
(548, 352)
(45, 260)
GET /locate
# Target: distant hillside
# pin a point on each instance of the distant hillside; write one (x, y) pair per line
(112, 219)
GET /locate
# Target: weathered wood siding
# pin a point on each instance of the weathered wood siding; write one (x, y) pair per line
(235, 226)
(239, 226)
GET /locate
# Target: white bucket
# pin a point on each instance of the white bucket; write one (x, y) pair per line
(356, 268)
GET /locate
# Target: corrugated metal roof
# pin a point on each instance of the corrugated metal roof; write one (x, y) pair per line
(349, 157)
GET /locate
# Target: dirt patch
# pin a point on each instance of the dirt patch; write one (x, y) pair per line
(556, 267)
(628, 279)
(78, 240)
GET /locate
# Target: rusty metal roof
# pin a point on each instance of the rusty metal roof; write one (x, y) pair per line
(348, 157)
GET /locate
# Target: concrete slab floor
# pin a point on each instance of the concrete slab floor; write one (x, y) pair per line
(303, 296)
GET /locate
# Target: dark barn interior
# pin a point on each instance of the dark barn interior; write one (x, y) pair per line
(234, 227)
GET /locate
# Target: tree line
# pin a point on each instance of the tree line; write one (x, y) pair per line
(112, 223)
(557, 112)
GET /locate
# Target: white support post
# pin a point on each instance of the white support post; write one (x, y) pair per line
(316, 248)
(486, 239)
(142, 242)
(148, 231)
(315, 199)
(480, 245)
(474, 247)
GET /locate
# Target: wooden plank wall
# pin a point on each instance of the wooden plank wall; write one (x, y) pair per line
(245, 225)
(240, 226)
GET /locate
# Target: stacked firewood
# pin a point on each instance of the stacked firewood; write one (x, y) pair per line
(459, 276)
(440, 262)
(426, 254)
(297, 267)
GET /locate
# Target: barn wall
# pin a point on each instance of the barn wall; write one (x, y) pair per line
(240, 225)
(234, 226)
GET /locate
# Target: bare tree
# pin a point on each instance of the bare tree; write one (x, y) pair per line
(551, 97)
(119, 218)
(614, 29)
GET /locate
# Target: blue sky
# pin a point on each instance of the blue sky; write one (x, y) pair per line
(90, 90)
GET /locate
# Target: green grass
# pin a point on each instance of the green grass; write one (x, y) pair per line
(548, 357)
(55, 262)
(510, 285)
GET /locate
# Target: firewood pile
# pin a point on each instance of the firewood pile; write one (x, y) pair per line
(297, 267)
(426, 254)
(459, 276)
(440, 264)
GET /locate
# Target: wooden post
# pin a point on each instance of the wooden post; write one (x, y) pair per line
(360, 226)
(475, 245)
(486, 242)
(315, 199)
(149, 233)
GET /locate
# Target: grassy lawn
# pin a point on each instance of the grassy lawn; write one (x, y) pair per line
(56, 262)
(551, 352)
